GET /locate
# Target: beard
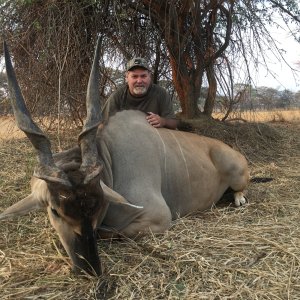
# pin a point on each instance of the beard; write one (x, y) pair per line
(140, 90)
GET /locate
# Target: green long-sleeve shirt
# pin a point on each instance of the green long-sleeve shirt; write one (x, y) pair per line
(157, 101)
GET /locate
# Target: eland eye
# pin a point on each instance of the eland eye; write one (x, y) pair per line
(54, 212)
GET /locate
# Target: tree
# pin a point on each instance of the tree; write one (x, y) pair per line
(188, 42)
(296, 103)
(286, 99)
(51, 42)
(188, 29)
(204, 37)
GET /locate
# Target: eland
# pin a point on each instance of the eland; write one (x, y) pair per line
(123, 178)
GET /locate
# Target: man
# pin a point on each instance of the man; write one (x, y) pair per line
(141, 94)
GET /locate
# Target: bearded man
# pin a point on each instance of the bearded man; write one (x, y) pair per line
(139, 93)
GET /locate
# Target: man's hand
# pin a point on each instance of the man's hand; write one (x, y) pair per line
(155, 120)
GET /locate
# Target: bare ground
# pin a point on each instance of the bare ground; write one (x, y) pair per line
(251, 252)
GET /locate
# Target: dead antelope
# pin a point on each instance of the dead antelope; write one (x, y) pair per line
(126, 177)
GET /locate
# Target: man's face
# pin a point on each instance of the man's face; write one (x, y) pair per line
(138, 81)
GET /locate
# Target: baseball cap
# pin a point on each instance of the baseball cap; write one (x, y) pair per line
(137, 62)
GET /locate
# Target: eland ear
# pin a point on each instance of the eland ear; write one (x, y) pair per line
(23, 207)
(114, 197)
(120, 212)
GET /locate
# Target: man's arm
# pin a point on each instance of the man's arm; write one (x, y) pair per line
(171, 123)
(166, 116)
(157, 121)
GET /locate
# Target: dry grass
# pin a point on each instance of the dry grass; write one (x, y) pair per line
(9, 129)
(289, 115)
(226, 253)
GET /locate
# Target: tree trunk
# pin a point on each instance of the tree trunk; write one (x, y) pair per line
(188, 30)
(188, 87)
(212, 90)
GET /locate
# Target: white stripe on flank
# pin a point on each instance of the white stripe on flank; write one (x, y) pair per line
(182, 155)
(164, 150)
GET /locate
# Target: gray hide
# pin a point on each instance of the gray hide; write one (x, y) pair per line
(169, 173)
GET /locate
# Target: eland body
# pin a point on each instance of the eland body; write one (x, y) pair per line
(125, 177)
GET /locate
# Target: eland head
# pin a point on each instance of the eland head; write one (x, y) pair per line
(70, 191)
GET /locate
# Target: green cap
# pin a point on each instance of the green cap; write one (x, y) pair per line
(137, 62)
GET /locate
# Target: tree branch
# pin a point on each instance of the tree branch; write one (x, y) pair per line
(296, 18)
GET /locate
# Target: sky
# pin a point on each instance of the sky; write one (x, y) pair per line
(284, 78)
